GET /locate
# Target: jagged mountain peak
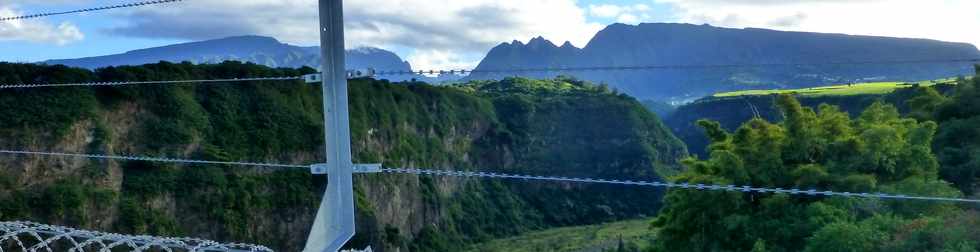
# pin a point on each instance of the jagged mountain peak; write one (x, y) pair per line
(539, 42)
(537, 51)
(536, 44)
(689, 44)
(568, 45)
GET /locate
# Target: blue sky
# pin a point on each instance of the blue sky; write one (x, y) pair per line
(452, 33)
(99, 40)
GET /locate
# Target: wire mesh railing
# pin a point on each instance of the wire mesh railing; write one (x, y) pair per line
(29, 236)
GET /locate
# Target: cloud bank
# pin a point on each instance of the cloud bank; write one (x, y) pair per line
(949, 20)
(627, 14)
(442, 33)
(34, 30)
(456, 33)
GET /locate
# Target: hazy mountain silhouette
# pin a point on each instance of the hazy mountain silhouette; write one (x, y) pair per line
(686, 44)
(257, 49)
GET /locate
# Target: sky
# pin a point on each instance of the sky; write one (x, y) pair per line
(452, 34)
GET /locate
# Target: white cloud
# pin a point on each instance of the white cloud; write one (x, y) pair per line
(37, 31)
(440, 59)
(46, 2)
(450, 27)
(788, 21)
(949, 20)
(628, 14)
(605, 10)
(628, 19)
(722, 3)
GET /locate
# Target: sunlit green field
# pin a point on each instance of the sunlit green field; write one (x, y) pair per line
(844, 89)
(581, 238)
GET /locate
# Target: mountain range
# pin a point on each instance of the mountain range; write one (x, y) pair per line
(257, 49)
(803, 59)
(793, 59)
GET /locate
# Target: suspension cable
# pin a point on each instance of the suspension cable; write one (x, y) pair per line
(651, 67)
(47, 14)
(151, 159)
(124, 83)
(699, 187)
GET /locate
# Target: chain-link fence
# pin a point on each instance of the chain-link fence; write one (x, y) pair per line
(29, 236)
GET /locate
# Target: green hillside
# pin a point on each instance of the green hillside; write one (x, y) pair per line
(870, 88)
(731, 109)
(514, 125)
(823, 148)
(600, 237)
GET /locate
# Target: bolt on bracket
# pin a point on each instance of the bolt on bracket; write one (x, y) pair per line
(317, 78)
(357, 168)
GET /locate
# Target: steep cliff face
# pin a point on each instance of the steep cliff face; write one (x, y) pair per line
(663, 44)
(519, 125)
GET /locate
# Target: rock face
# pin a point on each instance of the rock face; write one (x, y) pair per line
(537, 53)
(518, 126)
(256, 49)
(686, 44)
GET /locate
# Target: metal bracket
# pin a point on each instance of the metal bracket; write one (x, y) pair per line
(360, 73)
(367, 168)
(313, 78)
(357, 168)
(317, 78)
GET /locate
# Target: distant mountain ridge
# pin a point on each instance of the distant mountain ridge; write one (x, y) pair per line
(256, 49)
(687, 44)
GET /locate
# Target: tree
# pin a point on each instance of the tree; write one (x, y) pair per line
(843, 236)
(957, 143)
(760, 246)
(822, 150)
(922, 106)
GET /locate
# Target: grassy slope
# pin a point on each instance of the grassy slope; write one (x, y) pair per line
(579, 238)
(839, 90)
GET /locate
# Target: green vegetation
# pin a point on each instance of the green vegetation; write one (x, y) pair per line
(840, 90)
(515, 125)
(536, 131)
(662, 109)
(67, 200)
(732, 111)
(49, 113)
(957, 142)
(599, 237)
(824, 149)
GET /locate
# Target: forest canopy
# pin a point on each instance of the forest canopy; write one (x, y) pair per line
(822, 149)
(957, 143)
